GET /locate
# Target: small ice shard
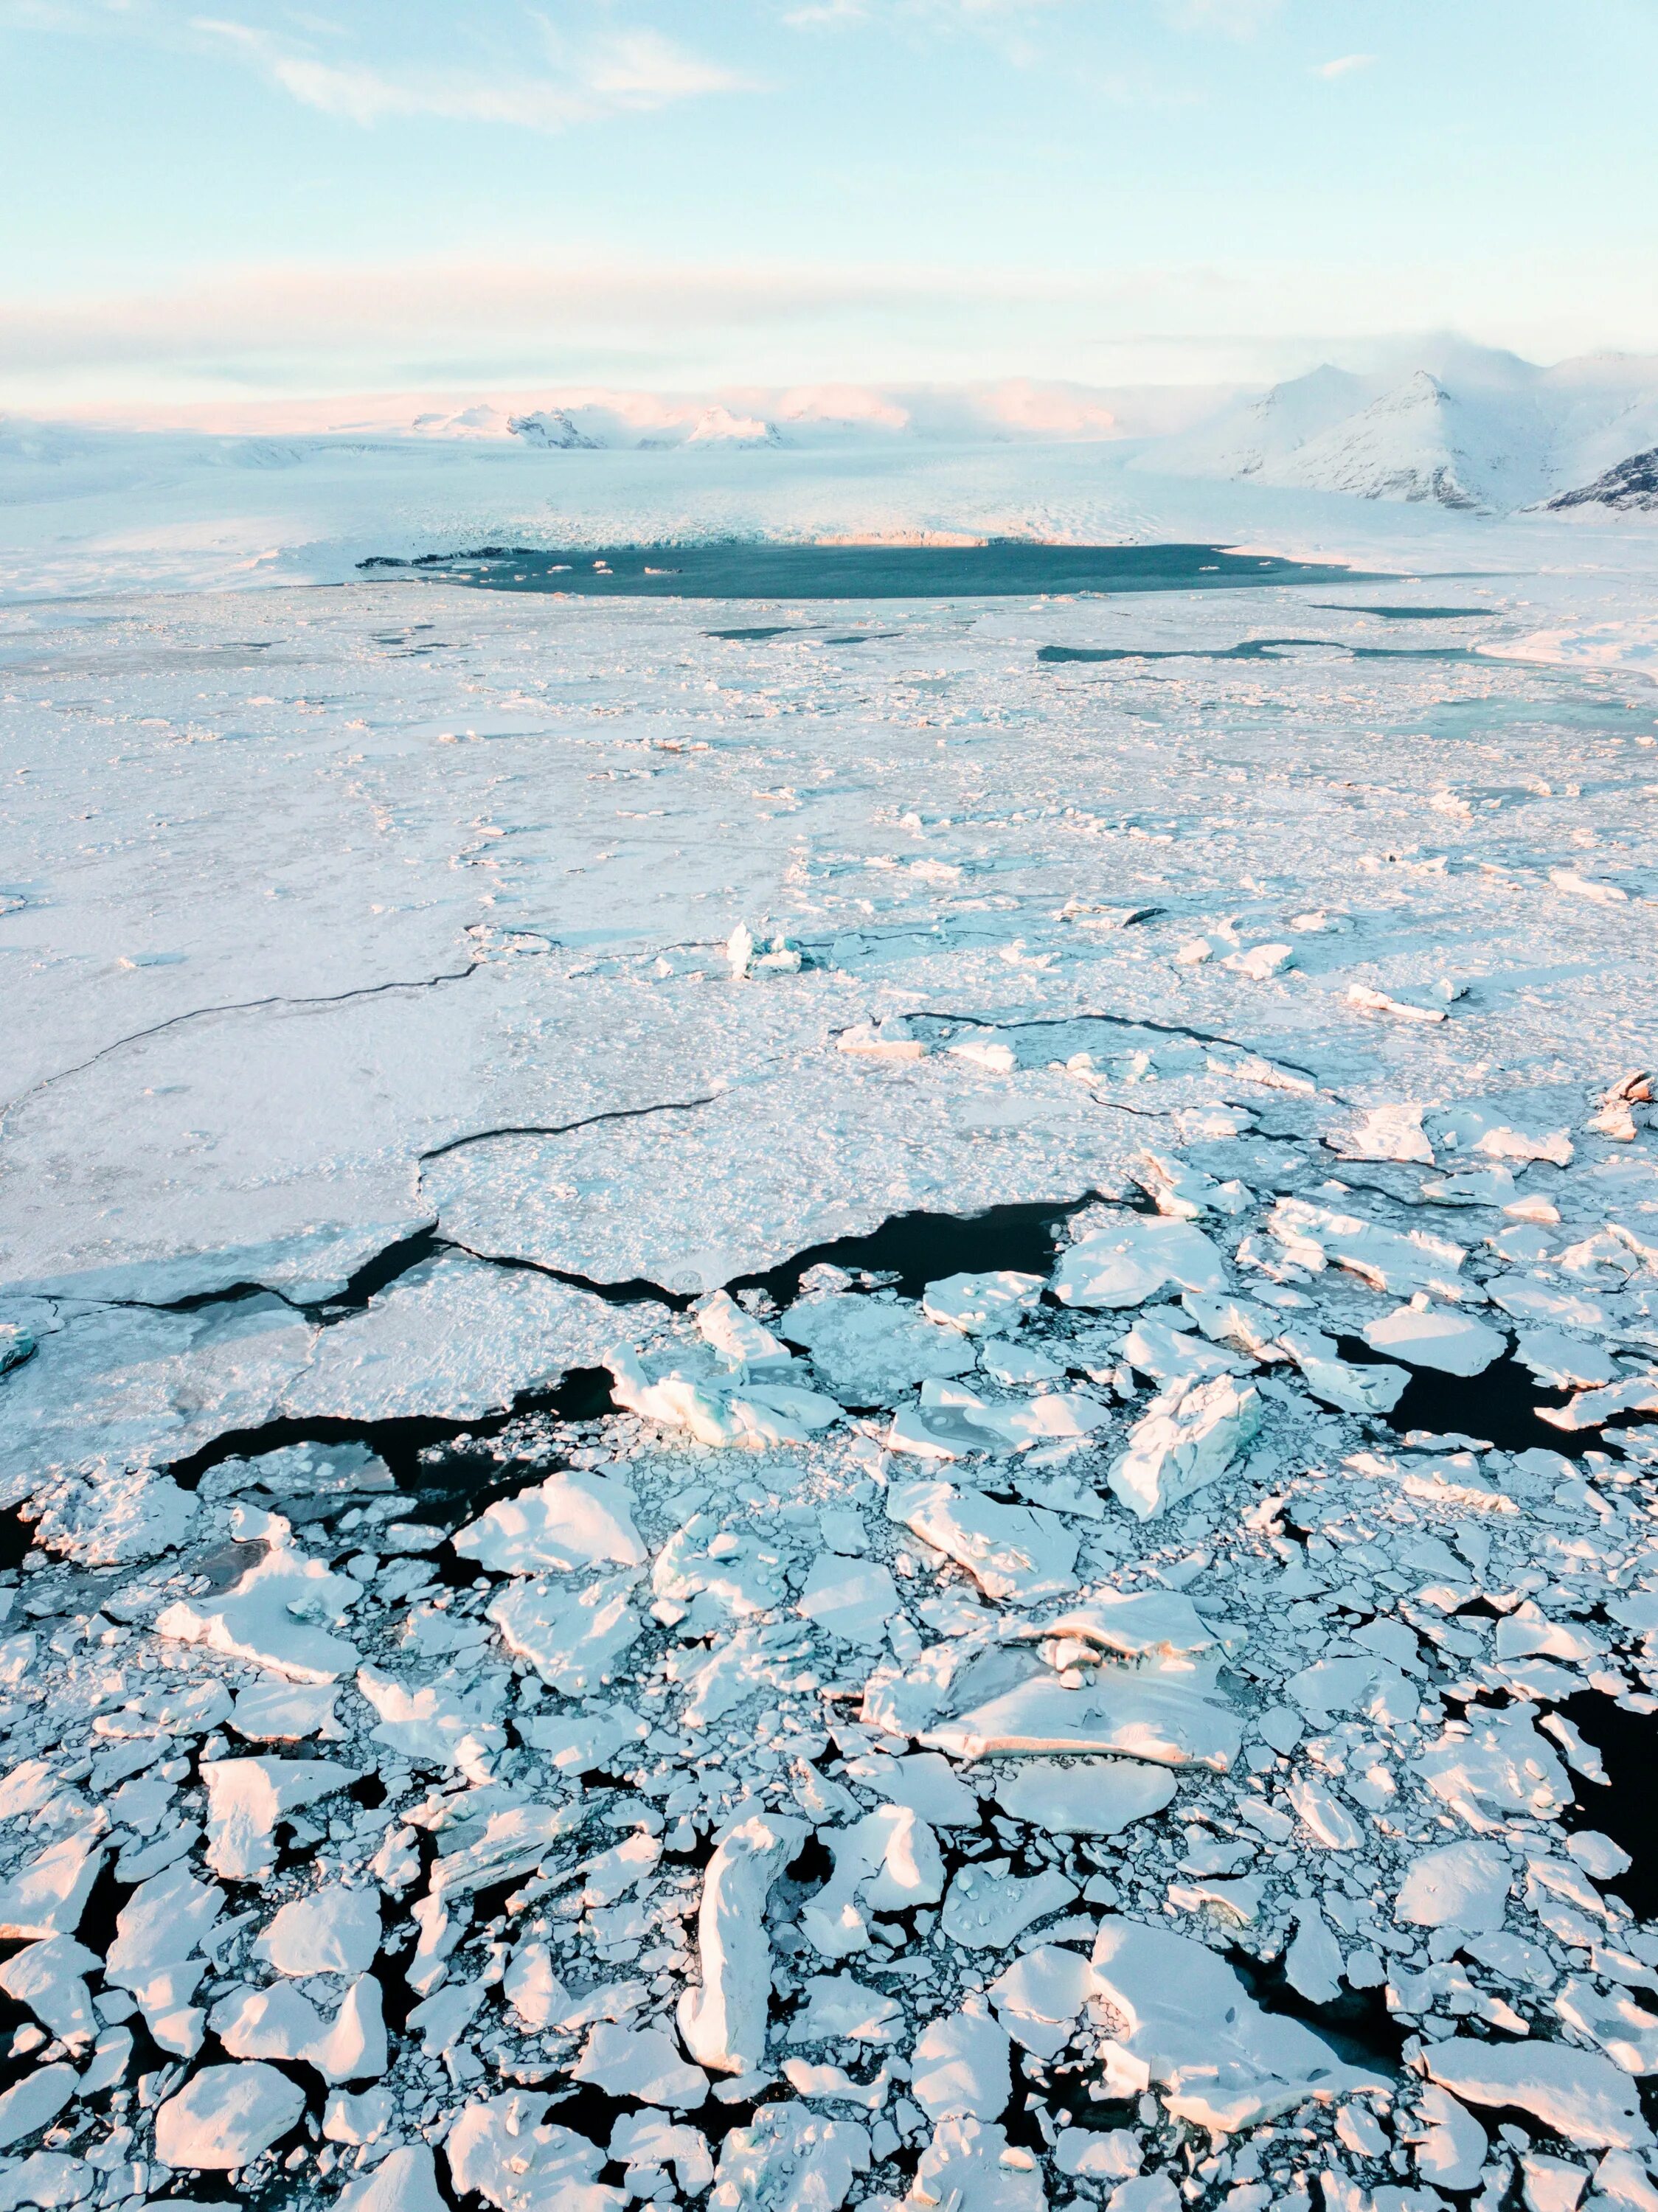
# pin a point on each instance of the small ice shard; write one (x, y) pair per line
(639, 2061)
(1185, 2022)
(1425, 1336)
(1462, 1886)
(869, 1351)
(987, 1906)
(1134, 1259)
(570, 1520)
(268, 1615)
(888, 1862)
(1092, 1797)
(723, 2022)
(334, 1930)
(961, 2065)
(1020, 1554)
(1099, 2155)
(839, 2009)
(1188, 1437)
(739, 949)
(1578, 2094)
(854, 1599)
(246, 1798)
(225, 2115)
(575, 1639)
(980, 1304)
(1615, 1117)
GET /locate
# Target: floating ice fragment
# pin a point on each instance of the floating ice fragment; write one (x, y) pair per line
(891, 1038)
(870, 1351)
(745, 1341)
(1188, 1437)
(1369, 1000)
(723, 2022)
(888, 1862)
(334, 1930)
(639, 2061)
(1312, 1963)
(1017, 1553)
(225, 2115)
(987, 1906)
(1133, 1260)
(405, 2180)
(1577, 2093)
(34, 2102)
(268, 1616)
(839, 2009)
(1181, 2018)
(1329, 1821)
(1501, 1765)
(960, 2065)
(1314, 1235)
(1454, 1344)
(1093, 1798)
(1383, 1132)
(442, 1724)
(789, 2156)
(520, 2161)
(1037, 1998)
(575, 1639)
(854, 1599)
(1261, 962)
(977, 1304)
(1463, 1886)
(1166, 1717)
(570, 1520)
(48, 1894)
(1337, 1382)
(246, 1798)
(1451, 2149)
(971, 2166)
(1625, 2030)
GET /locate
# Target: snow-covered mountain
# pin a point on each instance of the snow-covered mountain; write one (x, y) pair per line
(1466, 427)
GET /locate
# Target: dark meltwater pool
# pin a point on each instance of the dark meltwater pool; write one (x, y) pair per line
(762, 571)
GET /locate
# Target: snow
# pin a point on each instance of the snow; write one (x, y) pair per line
(514, 1595)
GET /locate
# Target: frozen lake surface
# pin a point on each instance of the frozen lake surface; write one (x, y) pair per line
(808, 1408)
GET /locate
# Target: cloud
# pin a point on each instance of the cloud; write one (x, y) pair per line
(631, 72)
(1344, 65)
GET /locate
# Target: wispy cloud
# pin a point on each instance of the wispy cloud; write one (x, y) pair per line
(633, 71)
(1344, 65)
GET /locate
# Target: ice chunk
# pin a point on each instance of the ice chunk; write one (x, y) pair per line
(34, 2102)
(980, 1304)
(438, 1724)
(1188, 1437)
(987, 1906)
(925, 1782)
(647, 2144)
(48, 1894)
(519, 2161)
(1625, 2031)
(1314, 1235)
(284, 1712)
(246, 1798)
(1454, 1344)
(854, 1599)
(746, 1342)
(1382, 1132)
(871, 1351)
(1337, 1382)
(1133, 1260)
(639, 2061)
(1462, 1886)
(971, 2166)
(1166, 1716)
(575, 1639)
(405, 2180)
(1018, 1553)
(49, 1978)
(225, 2115)
(570, 1520)
(1312, 1964)
(1501, 1766)
(279, 2023)
(1091, 1797)
(1451, 2149)
(334, 1930)
(1039, 1998)
(839, 2010)
(1331, 1823)
(960, 2065)
(888, 1862)
(789, 2160)
(1589, 1409)
(1181, 2018)
(1577, 2093)
(723, 2022)
(270, 1615)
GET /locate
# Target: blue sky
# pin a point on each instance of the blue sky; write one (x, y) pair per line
(238, 198)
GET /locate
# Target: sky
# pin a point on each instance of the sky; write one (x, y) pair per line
(237, 199)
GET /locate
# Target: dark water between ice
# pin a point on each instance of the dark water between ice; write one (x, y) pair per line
(1254, 649)
(765, 571)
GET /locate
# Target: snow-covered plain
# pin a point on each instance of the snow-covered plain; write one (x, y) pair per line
(828, 1418)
